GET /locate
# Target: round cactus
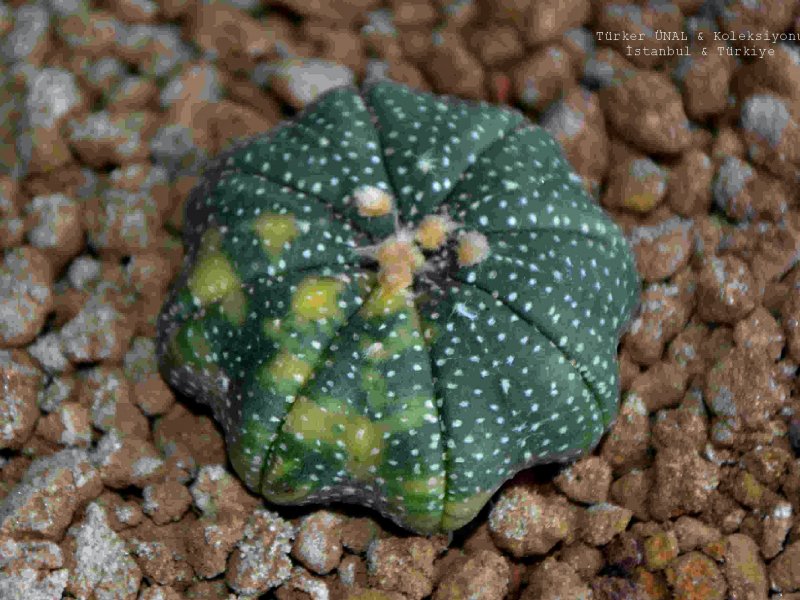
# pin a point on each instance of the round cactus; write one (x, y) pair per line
(398, 300)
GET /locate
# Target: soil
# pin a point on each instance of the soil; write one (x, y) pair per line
(112, 487)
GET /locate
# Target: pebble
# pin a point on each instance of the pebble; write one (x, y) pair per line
(741, 17)
(661, 386)
(693, 534)
(525, 523)
(646, 110)
(21, 382)
(126, 460)
(632, 490)
(403, 565)
(126, 221)
(358, 532)
(160, 552)
(210, 539)
(120, 513)
(761, 333)
(215, 491)
(685, 426)
(208, 590)
(155, 49)
(341, 11)
(103, 138)
(166, 501)
(303, 583)
(12, 226)
(26, 295)
(197, 433)
(99, 563)
(194, 85)
(69, 425)
(99, 332)
(682, 482)
(552, 579)
(132, 93)
(225, 122)
(586, 481)
(454, 68)
(779, 75)
(149, 391)
(771, 129)
(627, 444)
(52, 95)
(51, 489)
(106, 392)
(689, 184)
(659, 549)
(317, 545)
(624, 553)
(260, 560)
(299, 82)
(637, 184)
(496, 44)
(159, 592)
(748, 491)
(576, 121)
(704, 82)
(774, 249)
(31, 553)
(54, 225)
(587, 560)
(784, 570)
(352, 571)
(662, 249)
(27, 39)
(661, 317)
(542, 77)
(694, 575)
(790, 312)
(547, 21)
(744, 193)
(223, 31)
(179, 149)
(600, 523)
(726, 290)
(745, 571)
(87, 31)
(749, 400)
(483, 576)
(616, 588)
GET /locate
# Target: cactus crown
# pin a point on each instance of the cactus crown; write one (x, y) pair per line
(398, 300)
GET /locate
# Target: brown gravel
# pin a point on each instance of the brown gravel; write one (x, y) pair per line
(112, 487)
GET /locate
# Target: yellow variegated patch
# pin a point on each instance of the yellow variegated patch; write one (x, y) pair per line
(383, 302)
(212, 278)
(318, 298)
(286, 371)
(363, 440)
(234, 305)
(311, 421)
(275, 232)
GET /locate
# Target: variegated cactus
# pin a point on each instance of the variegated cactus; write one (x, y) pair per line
(398, 300)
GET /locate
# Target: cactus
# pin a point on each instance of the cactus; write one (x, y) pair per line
(398, 300)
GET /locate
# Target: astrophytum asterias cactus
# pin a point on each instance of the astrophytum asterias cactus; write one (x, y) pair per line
(398, 300)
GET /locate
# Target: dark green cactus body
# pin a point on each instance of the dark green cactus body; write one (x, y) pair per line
(420, 401)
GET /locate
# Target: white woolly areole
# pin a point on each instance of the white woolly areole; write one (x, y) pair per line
(473, 247)
(372, 201)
